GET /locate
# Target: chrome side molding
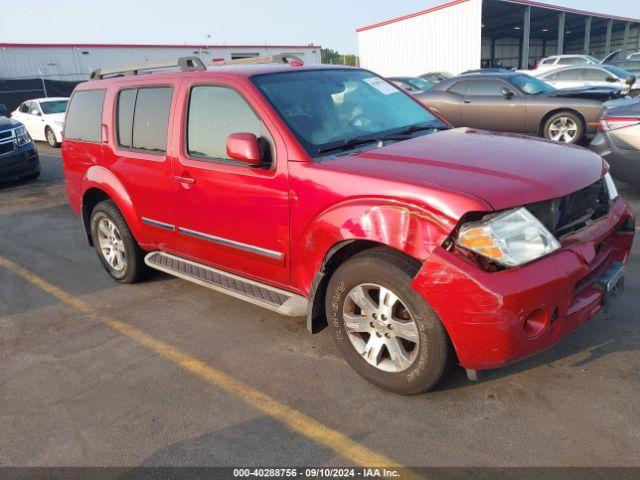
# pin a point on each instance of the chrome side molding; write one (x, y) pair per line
(159, 224)
(232, 243)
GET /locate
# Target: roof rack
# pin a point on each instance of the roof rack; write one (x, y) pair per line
(288, 59)
(186, 64)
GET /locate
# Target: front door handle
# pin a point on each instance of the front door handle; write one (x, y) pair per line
(467, 101)
(185, 180)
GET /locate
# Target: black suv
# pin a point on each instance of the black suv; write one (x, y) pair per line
(18, 153)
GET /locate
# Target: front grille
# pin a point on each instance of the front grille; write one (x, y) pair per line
(570, 213)
(6, 134)
(7, 147)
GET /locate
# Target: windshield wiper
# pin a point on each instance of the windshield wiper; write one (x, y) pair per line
(349, 143)
(409, 129)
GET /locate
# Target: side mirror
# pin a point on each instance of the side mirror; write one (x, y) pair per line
(34, 112)
(630, 80)
(3, 110)
(611, 79)
(506, 93)
(244, 147)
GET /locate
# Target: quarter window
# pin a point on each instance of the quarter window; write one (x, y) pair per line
(214, 114)
(85, 116)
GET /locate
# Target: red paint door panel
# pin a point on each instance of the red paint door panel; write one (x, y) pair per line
(231, 215)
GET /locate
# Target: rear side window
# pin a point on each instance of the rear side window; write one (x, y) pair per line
(84, 116)
(143, 118)
(214, 114)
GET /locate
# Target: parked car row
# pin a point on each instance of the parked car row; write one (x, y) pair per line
(563, 103)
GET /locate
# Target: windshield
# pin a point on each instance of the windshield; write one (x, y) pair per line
(324, 108)
(531, 85)
(55, 106)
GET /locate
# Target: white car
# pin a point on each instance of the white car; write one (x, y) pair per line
(44, 118)
(590, 76)
(558, 61)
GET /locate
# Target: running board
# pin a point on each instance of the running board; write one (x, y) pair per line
(281, 301)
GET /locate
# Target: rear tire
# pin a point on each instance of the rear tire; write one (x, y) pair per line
(564, 127)
(406, 351)
(118, 251)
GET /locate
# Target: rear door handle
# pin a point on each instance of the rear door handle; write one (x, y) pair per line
(187, 180)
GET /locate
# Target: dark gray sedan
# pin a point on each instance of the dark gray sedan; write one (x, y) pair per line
(618, 142)
(515, 102)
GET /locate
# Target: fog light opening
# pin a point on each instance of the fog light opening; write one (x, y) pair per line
(535, 322)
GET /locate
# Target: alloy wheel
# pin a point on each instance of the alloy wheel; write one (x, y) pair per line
(563, 129)
(51, 138)
(380, 327)
(111, 245)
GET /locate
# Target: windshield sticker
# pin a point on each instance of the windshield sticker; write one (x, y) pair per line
(380, 85)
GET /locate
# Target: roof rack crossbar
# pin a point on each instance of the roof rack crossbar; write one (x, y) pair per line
(258, 60)
(186, 64)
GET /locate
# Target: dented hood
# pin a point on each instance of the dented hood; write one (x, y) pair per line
(504, 170)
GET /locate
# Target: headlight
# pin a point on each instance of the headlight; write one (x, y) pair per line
(510, 239)
(22, 136)
(611, 187)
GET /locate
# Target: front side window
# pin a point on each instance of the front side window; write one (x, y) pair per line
(531, 85)
(214, 114)
(143, 118)
(485, 88)
(54, 106)
(459, 88)
(85, 116)
(325, 108)
(572, 61)
(594, 75)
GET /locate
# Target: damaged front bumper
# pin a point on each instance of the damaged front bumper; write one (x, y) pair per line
(496, 318)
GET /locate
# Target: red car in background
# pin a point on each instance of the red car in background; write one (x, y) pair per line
(328, 192)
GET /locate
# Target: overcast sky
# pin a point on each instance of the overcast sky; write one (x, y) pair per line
(330, 23)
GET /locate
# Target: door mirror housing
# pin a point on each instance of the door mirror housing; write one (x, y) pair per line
(506, 93)
(611, 79)
(3, 110)
(244, 147)
(34, 112)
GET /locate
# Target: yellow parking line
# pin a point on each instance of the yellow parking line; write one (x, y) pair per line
(297, 421)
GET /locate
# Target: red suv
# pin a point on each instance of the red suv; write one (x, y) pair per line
(329, 193)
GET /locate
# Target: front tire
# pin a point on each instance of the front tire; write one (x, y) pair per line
(51, 138)
(384, 329)
(564, 127)
(118, 251)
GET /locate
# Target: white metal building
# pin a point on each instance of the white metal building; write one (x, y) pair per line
(468, 34)
(76, 61)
